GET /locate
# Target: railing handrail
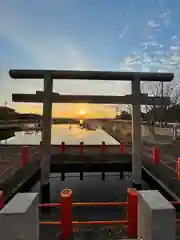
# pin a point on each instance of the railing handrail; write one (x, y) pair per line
(108, 222)
(86, 204)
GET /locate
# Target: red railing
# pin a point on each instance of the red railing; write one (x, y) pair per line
(66, 204)
(81, 147)
(156, 160)
(25, 150)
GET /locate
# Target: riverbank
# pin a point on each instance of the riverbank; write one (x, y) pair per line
(121, 132)
(118, 137)
(13, 174)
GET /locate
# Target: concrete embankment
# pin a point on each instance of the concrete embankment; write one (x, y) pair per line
(166, 175)
(121, 131)
(13, 183)
(13, 174)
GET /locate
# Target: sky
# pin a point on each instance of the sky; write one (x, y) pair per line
(116, 35)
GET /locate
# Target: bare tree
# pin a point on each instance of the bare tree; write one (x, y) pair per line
(171, 90)
(129, 109)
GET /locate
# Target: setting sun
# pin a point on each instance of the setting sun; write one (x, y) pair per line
(82, 112)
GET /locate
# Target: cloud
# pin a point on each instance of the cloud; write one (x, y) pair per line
(152, 24)
(124, 30)
(156, 53)
(163, 20)
(165, 17)
(174, 47)
(155, 56)
(147, 44)
(174, 38)
(165, 14)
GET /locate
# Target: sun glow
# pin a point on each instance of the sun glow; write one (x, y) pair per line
(82, 112)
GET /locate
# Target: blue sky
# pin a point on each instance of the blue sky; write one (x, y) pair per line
(136, 35)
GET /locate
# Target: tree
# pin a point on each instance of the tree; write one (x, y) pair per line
(159, 113)
(125, 115)
(129, 109)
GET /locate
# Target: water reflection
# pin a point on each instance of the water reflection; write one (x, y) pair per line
(61, 133)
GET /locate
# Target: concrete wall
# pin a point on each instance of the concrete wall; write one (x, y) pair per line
(157, 217)
(20, 218)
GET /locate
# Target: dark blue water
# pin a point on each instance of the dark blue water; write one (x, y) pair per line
(92, 189)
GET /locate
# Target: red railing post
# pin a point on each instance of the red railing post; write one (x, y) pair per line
(66, 214)
(103, 147)
(1, 200)
(156, 157)
(24, 156)
(178, 168)
(81, 147)
(132, 212)
(121, 147)
(62, 148)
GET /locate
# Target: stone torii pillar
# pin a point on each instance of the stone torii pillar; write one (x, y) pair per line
(46, 138)
(136, 133)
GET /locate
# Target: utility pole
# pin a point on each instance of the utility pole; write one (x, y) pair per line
(162, 105)
(162, 89)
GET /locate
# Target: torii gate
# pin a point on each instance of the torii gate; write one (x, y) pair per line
(136, 99)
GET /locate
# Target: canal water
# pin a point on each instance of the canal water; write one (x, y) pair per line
(61, 133)
(91, 188)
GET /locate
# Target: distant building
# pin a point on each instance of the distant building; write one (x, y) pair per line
(24, 116)
(7, 113)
